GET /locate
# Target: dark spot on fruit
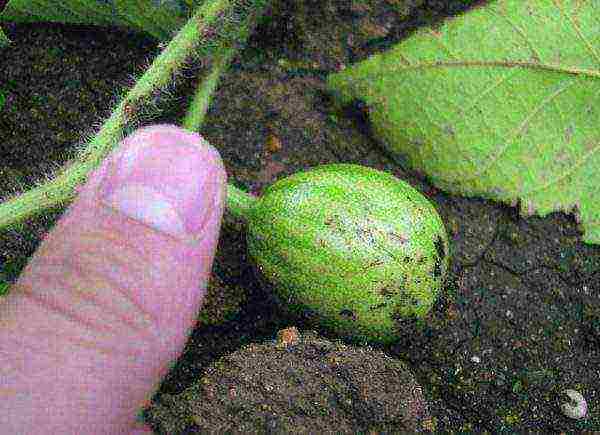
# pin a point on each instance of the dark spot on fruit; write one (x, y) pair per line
(387, 292)
(308, 314)
(407, 260)
(331, 221)
(417, 141)
(375, 263)
(398, 238)
(348, 314)
(414, 301)
(366, 235)
(449, 130)
(378, 306)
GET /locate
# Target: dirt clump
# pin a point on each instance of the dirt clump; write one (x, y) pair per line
(297, 383)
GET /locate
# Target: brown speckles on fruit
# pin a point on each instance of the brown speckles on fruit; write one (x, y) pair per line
(332, 221)
(365, 233)
(387, 291)
(378, 306)
(347, 314)
(354, 237)
(398, 238)
(373, 264)
(452, 312)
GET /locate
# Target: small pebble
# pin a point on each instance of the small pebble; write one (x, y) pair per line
(577, 407)
(273, 143)
(287, 337)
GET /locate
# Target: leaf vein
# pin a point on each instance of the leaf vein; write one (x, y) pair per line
(521, 128)
(519, 31)
(494, 63)
(577, 31)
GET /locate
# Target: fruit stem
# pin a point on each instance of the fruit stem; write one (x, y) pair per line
(239, 202)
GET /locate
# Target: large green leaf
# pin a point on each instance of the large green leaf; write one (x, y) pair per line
(158, 18)
(502, 102)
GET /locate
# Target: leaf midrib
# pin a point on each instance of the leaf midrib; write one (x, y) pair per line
(504, 64)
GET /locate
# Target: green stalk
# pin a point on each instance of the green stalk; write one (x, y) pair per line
(238, 202)
(61, 190)
(194, 118)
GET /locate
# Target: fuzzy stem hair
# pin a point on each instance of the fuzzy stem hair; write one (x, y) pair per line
(208, 31)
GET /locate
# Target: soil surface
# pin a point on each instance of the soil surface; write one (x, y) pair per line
(519, 321)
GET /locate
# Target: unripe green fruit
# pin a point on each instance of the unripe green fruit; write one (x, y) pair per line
(356, 247)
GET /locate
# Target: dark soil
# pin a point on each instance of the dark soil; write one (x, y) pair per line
(520, 319)
(298, 383)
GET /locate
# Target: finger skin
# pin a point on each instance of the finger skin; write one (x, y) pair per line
(104, 307)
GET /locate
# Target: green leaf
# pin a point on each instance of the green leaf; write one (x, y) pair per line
(4, 41)
(158, 18)
(69, 11)
(502, 102)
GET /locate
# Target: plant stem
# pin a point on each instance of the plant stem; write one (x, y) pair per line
(238, 202)
(61, 190)
(194, 118)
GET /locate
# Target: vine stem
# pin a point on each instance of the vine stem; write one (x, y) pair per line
(238, 202)
(60, 191)
(194, 118)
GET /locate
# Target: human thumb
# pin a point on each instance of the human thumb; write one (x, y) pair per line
(109, 298)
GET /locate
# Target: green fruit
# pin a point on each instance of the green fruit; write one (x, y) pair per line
(356, 247)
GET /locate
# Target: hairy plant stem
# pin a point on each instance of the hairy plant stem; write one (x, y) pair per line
(194, 118)
(61, 190)
(238, 201)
